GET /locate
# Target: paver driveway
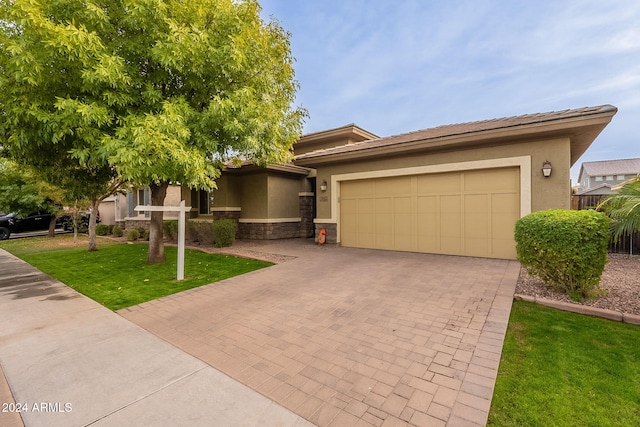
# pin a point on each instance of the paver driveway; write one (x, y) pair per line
(345, 336)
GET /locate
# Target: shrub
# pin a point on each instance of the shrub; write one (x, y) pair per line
(117, 231)
(83, 227)
(145, 235)
(170, 229)
(224, 231)
(566, 249)
(103, 229)
(201, 231)
(133, 234)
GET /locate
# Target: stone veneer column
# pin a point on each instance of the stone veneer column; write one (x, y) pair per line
(332, 232)
(306, 214)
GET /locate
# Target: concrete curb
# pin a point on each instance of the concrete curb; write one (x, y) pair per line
(617, 316)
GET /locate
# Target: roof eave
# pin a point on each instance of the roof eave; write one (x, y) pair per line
(581, 130)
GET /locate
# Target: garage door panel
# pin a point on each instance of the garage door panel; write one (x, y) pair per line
(438, 183)
(384, 205)
(503, 223)
(493, 180)
(384, 223)
(349, 231)
(364, 188)
(427, 219)
(393, 187)
(462, 213)
(477, 247)
(476, 217)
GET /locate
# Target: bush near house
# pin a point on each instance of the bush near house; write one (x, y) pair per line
(566, 249)
(117, 231)
(220, 233)
(201, 231)
(104, 229)
(133, 235)
(224, 231)
(170, 229)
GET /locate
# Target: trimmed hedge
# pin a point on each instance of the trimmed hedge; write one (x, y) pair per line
(103, 229)
(170, 229)
(200, 231)
(117, 231)
(133, 235)
(224, 231)
(566, 249)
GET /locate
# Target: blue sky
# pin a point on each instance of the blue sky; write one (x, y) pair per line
(396, 66)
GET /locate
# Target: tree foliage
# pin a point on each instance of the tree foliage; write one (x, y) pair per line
(23, 192)
(161, 90)
(624, 209)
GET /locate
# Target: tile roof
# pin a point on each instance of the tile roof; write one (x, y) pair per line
(592, 189)
(612, 167)
(452, 130)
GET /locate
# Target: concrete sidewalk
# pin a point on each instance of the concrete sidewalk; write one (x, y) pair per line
(68, 361)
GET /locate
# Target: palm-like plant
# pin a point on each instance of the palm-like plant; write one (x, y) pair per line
(624, 209)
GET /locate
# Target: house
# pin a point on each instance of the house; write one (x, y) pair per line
(278, 201)
(124, 205)
(455, 189)
(600, 177)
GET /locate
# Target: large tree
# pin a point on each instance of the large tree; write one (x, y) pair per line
(48, 121)
(163, 91)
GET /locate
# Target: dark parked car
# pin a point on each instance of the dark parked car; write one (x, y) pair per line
(66, 221)
(12, 223)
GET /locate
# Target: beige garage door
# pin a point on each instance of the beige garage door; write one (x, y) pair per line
(461, 213)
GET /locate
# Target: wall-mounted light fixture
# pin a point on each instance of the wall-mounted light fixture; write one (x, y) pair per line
(323, 185)
(546, 168)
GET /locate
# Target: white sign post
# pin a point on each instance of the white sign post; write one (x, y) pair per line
(181, 228)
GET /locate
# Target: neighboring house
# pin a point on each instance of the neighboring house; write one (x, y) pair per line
(600, 178)
(113, 209)
(455, 189)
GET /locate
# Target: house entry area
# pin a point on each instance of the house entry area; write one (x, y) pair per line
(469, 213)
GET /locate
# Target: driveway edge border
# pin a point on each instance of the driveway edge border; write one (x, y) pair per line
(617, 316)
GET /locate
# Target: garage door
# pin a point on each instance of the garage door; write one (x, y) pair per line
(469, 213)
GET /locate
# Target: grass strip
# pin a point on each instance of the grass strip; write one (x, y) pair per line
(117, 276)
(566, 369)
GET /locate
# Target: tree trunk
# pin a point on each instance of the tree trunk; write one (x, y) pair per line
(93, 246)
(52, 227)
(74, 220)
(156, 244)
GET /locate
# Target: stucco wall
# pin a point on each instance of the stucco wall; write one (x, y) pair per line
(283, 196)
(228, 193)
(253, 195)
(108, 212)
(546, 193)
(173, 198)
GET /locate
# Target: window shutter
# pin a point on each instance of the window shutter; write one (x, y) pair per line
(130, 203)
(146, 201)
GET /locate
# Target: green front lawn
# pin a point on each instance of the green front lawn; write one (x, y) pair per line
(117, 276)
(566, 369)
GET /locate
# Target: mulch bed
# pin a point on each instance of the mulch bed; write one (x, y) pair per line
(620, 281)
